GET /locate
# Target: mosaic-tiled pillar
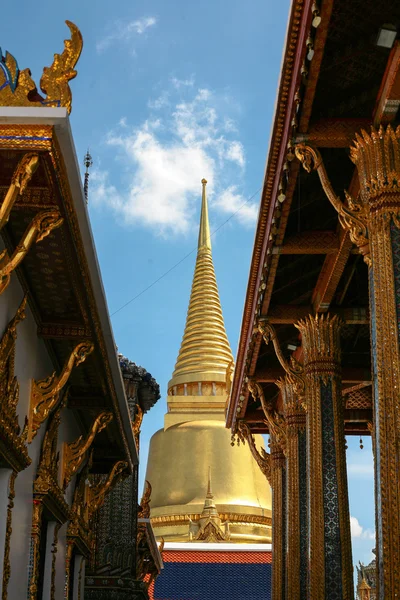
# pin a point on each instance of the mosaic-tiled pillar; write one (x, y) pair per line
(377, 157)
(296, 490)
(278, 485)
(330, 573)
(373, 222)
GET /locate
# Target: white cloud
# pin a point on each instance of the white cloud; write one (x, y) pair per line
(165, 160)
(160, 102)
(231, 202)
(180, 83)
(235, 153)
(357, 531)
(124, 32)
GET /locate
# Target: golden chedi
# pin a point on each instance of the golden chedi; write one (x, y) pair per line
(194, 444)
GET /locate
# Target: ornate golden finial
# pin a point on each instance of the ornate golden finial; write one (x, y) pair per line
(45, 393)
(144, 507)
(18, 89)
(204, 232)
(75, 452)
(40, 227)
(20, 179)
(204, 354)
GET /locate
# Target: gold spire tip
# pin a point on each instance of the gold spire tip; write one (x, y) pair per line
(204, 181)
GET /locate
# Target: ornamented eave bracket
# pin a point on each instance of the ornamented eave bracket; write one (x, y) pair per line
(137, 423)
(263, 458)
(293, 369)
(12, 444)
(45, 393)
(17, 88)
(95, 495)
(46, 488)
(144, 507)
(353, 218)
(74, 453)
(276, 423)
(40, 227)
(20, 179)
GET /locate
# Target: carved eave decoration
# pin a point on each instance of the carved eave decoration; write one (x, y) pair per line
(13, 450)
(273, 212)
(308, 239)
(18, 89)
(49, 250)
(46, 488)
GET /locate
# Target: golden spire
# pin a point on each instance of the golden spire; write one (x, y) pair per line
(205, 353)
(204, 231)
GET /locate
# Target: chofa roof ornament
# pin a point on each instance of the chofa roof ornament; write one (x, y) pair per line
(17, 88)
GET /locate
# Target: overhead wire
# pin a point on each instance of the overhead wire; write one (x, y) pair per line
(147, 288)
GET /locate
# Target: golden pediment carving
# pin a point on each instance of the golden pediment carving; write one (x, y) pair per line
(17, 88)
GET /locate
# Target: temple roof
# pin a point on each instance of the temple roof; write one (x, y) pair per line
(336, 80)
(205, 353)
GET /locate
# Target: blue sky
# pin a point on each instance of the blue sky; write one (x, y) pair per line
(168, 93)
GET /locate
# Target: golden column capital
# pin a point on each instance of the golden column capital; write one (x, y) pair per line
(377, 158)
(321, 343)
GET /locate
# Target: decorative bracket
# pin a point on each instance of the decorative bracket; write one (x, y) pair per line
(12, 444)
(292, 369)
(144, 507)
(137, 423)
(40, 227)
(95, 495)
(46, 488)
(22, 175)
(75, 452)
(352, 218)
(276, 423)
(45, 393)
(263, 459)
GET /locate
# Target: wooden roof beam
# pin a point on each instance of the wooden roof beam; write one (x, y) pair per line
(286, 314)
(334, 264)
(333, 133)
(310, 242)
(349, 374)
(388, 101)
